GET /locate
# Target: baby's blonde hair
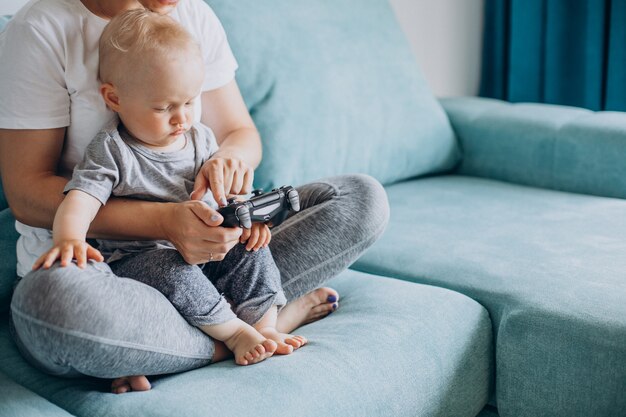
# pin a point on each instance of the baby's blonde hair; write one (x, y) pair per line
(134, 36)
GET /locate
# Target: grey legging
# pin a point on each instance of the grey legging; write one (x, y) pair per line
(73, 322)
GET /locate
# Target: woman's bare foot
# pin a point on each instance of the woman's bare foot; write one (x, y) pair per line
(310, 307)
(287, 343)
(130, 383)
(249, 346)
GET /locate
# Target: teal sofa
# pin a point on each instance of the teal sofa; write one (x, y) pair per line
(498, 287)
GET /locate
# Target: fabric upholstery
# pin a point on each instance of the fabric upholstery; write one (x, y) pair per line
(8, 261)
(549, 267)
(488, 411)
(18, 401)
(434, 345)
(334, 89)
(557, 147)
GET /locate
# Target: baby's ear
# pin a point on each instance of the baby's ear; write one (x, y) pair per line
(109, 94)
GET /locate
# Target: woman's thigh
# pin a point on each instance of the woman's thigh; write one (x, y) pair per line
(71, 321)
(340, 218)
(185, 286)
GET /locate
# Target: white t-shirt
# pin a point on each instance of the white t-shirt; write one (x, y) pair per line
(48, 79)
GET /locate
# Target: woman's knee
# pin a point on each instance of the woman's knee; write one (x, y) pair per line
(366, 203)
(53, 294)
(72, 319)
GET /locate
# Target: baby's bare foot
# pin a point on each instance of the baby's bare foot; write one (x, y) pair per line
(130, 383)
(310, 307)
(287, 343)
(249, 346)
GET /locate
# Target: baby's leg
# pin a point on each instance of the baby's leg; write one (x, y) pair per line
(197, 300)
(247, 344)
(252, 281)
(286, 342)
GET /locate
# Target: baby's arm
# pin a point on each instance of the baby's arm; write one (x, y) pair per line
(69, 231)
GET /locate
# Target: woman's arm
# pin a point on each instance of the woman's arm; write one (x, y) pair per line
(230, 169)
(225, 112)
(28, 164)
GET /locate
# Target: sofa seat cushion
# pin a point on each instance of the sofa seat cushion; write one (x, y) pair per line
(549, 267)
(392, 348)
(17, 401)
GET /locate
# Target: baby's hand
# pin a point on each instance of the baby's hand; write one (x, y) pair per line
(66, 251)
(258, 236)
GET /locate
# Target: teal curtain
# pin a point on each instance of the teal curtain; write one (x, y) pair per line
(570, 52)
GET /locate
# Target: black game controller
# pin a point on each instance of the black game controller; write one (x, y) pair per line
(272, 207)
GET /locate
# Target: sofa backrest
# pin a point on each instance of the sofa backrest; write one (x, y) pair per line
(333, 88)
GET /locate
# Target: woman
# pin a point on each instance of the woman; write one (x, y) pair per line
(74, 322)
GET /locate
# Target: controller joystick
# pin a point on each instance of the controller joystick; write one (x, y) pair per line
(272, 208)
(294, 199)
(243, 214)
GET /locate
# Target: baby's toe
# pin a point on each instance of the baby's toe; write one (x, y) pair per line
(284, 348)
(270, 346)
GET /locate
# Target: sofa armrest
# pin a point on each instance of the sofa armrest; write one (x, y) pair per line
(541, 145)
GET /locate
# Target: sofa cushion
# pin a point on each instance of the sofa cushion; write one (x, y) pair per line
(17, 401)
(392, 348)
(333, 88)
(549, 267)
(543, 145)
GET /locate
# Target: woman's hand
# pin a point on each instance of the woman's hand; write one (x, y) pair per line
(192, 227)
(225, 176)
(66, 250)
(258, 236)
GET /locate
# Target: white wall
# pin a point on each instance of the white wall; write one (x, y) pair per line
(446, 38)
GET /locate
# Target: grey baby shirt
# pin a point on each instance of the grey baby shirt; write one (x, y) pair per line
(117, 164)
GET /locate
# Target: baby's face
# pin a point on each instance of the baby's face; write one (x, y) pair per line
(158, 107)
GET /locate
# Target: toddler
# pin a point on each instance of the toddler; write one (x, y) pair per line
(151, 74)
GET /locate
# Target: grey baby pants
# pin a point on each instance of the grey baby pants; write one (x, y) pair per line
(250, 280)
